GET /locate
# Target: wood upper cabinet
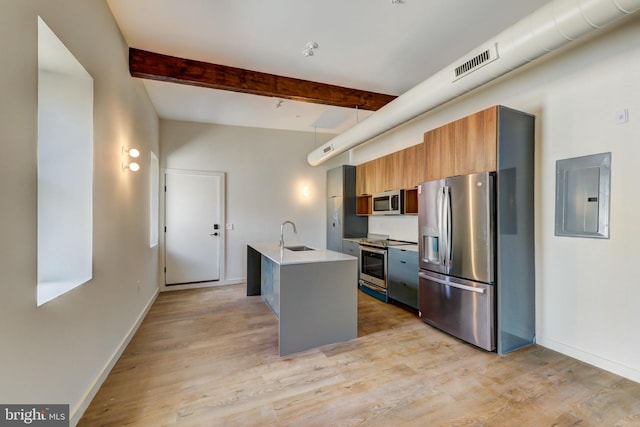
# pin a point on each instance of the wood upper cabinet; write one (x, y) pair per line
(365, 178)
(411, 166)
(475, 142)
(439, 152)
(402, 169)
(465, 146)
(388, 172)
(361, 179)
(365, 186)
(462, 147)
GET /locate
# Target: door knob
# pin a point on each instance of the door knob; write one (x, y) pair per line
(213, 234)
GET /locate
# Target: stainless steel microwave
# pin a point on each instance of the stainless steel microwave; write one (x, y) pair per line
(388, 203)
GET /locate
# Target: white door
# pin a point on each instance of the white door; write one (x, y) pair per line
(193, 230)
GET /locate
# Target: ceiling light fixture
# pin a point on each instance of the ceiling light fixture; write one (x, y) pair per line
(309, 49)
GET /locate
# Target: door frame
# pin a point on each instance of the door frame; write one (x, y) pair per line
(222, 198)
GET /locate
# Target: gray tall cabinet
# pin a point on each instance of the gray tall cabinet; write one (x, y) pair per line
(342, 221)
(515, 269)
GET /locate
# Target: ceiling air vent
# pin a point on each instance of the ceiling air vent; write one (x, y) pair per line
(478, 61)
(327, 149)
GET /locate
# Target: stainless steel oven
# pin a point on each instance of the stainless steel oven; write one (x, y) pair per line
(373, 264)
(373, 268)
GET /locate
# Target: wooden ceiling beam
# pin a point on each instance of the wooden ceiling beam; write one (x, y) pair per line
(155, 66)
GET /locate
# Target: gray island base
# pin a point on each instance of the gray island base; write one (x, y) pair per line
(313, 293)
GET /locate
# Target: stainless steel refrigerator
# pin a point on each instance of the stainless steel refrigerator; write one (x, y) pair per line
(457, 256)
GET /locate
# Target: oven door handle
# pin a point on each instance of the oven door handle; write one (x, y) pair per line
(374, 250)
(453, 285)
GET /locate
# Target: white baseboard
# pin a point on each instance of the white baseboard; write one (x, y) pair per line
(590, 358)
(78, 411)
(236, 281)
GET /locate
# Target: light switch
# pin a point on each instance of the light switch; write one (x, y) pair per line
(229, 226)
(622, 116)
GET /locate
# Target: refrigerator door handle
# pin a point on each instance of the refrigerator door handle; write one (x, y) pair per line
(441, 237)
(454, 285)
(447, 225)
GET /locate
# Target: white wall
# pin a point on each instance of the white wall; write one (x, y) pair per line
(57, 353)
(587, 290)
(265, 173)
(398, 227)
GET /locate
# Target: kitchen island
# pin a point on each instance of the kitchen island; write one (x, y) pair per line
(312, 292)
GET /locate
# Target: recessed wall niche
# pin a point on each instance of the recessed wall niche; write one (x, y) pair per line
(65, 169)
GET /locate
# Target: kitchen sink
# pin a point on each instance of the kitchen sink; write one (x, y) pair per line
(299, 248)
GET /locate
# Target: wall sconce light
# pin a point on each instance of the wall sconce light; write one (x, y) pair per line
(133, 153)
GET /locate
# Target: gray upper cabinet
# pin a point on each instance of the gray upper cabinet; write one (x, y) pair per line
(335, 182)
(342, 220)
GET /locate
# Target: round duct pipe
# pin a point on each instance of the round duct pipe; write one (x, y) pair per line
(552, 26)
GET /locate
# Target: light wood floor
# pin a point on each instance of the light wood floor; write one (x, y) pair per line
(208, 357)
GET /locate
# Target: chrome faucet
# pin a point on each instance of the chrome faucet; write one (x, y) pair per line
(282, 231)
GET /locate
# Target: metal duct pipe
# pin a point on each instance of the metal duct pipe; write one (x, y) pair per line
(553, 25)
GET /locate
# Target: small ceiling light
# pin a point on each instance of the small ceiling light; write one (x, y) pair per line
(309, 49)
(133, 153)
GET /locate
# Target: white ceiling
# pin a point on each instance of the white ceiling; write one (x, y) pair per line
(373, 45)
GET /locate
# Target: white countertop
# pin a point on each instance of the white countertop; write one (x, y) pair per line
(274, 252)
(413, 248)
